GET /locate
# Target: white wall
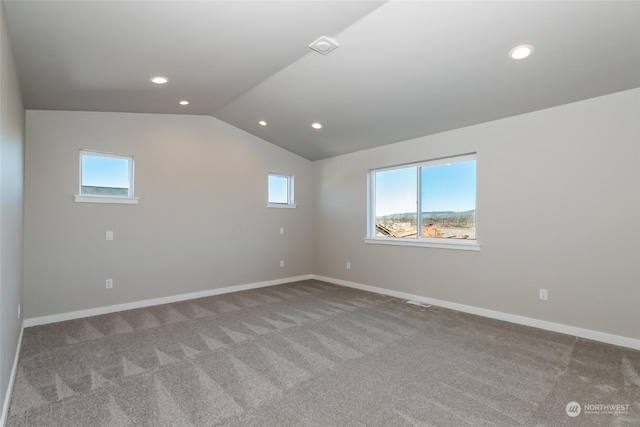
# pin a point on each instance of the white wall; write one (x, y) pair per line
(202, 222)
(11, 197)
(558, 208)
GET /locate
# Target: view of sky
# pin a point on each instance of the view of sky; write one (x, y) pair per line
(446, 187)
(102, 171)
(278, 189)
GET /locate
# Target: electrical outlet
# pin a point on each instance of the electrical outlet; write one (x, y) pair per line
(281, 263)
(109, 235)
(544, 294)
(348, 266)
(108, 284)
(281, 230)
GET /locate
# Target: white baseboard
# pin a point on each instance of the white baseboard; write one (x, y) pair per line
(156, 301)
(513, 318)
(12, 378)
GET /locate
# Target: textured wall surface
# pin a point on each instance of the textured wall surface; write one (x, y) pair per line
(558, 205)
(202, 221)
(11, 198)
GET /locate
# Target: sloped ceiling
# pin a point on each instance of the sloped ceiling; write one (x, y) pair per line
(403, 68)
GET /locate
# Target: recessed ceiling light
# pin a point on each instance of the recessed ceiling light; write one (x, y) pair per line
(159, 80)
(184, 102)
(262, 123)
(521, 52)
(316, 125)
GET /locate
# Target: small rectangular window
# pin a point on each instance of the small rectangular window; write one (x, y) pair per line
(431, 203)
(280, 190)
(106, 178)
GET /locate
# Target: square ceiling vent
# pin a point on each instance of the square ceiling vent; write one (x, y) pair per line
(324, 45)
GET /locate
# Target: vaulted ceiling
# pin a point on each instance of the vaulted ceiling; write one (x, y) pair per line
(403, 69)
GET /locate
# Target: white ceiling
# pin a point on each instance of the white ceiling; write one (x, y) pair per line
(403, 68)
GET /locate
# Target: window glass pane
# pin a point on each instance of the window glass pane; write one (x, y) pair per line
(396, 205)
(105, 176)
(449, 200)
(278, 189)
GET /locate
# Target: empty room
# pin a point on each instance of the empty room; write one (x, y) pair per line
(320, 213)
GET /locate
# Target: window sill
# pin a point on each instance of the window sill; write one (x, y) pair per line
(281, 205)
(106, 199)
(462, 245)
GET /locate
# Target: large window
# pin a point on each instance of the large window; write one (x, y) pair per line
(431, 203)
(106, 178)
(280, 191)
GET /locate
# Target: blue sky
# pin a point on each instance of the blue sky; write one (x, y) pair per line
(446, 187)
(278, 189)
(102, 171)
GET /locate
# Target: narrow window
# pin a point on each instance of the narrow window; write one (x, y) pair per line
(106, 178)
(280, 190)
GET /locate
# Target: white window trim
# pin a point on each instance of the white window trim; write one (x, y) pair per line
(282, 205)
(459, 244)
(290, 192)
(425, 242)
(92, 198)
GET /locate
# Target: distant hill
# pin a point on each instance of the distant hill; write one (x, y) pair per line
(472, 211)
(442, 219)
(430, 213)
(104, 191)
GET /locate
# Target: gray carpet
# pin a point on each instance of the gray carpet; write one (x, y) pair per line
(315, 354)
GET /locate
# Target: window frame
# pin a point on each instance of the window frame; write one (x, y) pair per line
(290, 192)
(130, 199)
(430, 242)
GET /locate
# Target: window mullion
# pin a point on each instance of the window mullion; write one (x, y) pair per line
(131, 173)
(290, 198)
(372, 214)
(419, 204)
